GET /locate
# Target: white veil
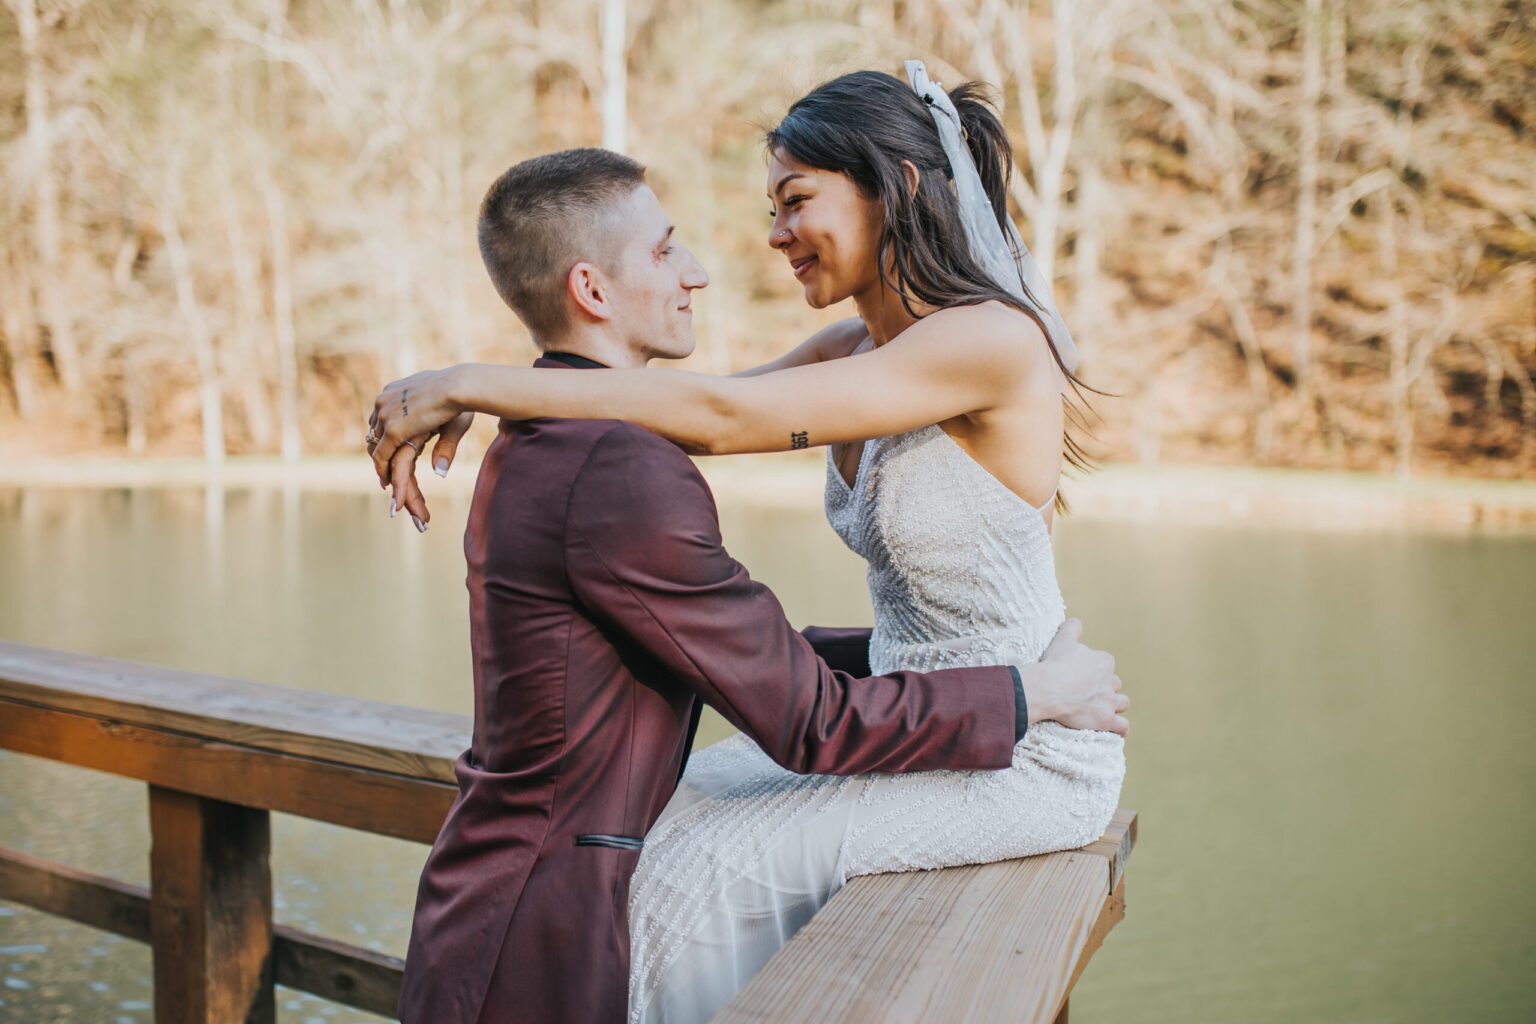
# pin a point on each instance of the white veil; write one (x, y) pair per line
(1005, 258)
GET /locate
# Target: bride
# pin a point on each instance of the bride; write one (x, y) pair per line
(944, 408)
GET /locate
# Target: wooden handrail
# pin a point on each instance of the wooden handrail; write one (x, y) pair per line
(350, 731)
(219, 755)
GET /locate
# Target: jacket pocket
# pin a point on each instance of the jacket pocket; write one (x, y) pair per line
(614, 842)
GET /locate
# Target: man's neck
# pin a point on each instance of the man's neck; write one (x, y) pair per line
(599, 349)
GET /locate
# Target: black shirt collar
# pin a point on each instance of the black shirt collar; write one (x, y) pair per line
(570, 359)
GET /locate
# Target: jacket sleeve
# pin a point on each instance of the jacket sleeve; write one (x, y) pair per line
(846, 650)
(644, 557)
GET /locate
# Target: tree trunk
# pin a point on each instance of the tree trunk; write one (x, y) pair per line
(1399, 378)
(46, 231)
(245, 266)
(1089, 313)
(18, 339)
(1063, 117)
(1306, 197)
(400, 258)
(282, 318)
(615, 76)
(209, 386)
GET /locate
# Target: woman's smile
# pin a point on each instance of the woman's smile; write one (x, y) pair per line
(803, 266)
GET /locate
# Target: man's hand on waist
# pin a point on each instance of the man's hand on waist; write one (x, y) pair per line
(1075, 685)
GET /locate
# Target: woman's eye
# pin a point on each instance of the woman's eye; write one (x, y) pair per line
(772, 214)
(794, 200)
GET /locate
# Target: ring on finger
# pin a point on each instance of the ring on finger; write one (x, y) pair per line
(413, 446)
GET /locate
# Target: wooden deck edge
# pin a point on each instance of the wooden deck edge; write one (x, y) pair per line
(338, 971)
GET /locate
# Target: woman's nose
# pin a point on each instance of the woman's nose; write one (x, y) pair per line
(778, 237)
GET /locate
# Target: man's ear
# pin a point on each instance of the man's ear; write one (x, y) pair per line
(587, 288)
(910, 172)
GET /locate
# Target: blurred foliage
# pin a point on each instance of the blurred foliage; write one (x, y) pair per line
(1295, 232)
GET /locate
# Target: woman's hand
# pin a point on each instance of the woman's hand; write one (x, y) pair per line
(405, 416)
(413, 409)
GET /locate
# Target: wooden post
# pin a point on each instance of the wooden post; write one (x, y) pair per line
(211, 910)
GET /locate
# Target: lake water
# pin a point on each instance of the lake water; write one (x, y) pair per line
(1329, 751)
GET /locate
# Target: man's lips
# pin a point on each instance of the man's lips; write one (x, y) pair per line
(802, 265)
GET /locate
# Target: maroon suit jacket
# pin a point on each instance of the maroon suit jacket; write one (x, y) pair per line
(602, 609)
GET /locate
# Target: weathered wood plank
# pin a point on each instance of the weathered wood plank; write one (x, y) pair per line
(996, 942)
(90, 899)
(360, 798)
(1116, 844)
(1111, 914)
(210, 912)
(337, 971)
(347, 730)
(333, 970)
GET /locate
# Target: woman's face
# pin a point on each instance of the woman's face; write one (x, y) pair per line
(829, 232)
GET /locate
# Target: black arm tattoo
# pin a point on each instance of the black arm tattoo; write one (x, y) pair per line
(799, 439)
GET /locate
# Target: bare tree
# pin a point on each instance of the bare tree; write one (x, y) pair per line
(1306, 193)
(45, 210)
(615, 75)
(210, 388)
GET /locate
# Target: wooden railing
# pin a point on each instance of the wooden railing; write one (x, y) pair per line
(219, 755)
(998, 942)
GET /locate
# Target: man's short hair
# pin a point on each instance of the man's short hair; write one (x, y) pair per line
(541, 218)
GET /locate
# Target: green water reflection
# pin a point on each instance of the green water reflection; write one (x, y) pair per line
(1328, 746)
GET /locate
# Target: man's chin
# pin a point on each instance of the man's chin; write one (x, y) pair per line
(678, 351)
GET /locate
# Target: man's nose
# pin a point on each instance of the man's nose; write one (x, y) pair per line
(694, 275)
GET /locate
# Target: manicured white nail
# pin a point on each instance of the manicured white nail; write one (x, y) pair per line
(392, 508)
(440, 467)
(421, 527)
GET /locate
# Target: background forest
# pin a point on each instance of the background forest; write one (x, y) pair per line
(1287, 232)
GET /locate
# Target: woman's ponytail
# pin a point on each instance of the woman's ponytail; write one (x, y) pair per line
(988, 143)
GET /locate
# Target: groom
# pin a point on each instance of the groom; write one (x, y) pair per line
(603, 609)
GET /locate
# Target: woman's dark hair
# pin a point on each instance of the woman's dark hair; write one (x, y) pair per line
(864, 125)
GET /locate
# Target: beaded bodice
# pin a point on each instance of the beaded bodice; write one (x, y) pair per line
(961, 570)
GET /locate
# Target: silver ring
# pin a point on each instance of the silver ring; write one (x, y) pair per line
(413, 446)
(371, 438)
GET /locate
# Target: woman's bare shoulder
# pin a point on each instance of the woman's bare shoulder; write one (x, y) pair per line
(990, 334)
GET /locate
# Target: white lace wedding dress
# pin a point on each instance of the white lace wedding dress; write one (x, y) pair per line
(960, 573)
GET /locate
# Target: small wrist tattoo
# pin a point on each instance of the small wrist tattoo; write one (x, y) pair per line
(799, 439)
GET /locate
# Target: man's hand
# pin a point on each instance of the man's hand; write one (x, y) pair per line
(1075, 685)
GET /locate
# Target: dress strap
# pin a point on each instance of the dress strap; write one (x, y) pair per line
(1048, 501)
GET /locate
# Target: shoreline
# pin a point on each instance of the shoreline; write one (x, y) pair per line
(1201, 495)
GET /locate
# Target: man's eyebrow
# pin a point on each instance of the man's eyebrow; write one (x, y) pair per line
(791, 176)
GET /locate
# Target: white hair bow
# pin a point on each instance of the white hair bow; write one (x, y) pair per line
(1005, 258)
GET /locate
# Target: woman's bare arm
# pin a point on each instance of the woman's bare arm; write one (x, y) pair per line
(954, 362)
